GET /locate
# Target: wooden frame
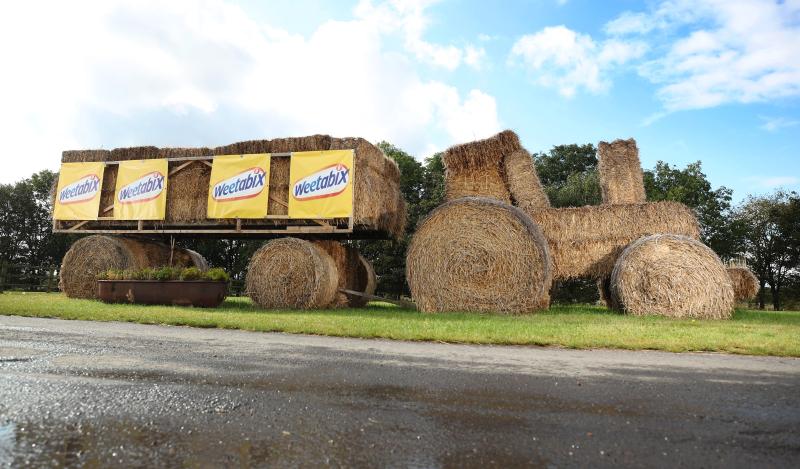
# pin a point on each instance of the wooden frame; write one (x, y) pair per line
(271, 226)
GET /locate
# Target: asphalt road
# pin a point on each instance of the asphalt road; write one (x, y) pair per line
(76, 393)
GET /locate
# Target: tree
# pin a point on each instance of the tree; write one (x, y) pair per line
(691, 187)
(771, 238)
(569, 175)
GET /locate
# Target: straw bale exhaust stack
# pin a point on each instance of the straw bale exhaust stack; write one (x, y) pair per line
(621, 179)
(745, 284)
(292, 273)
(95, 254)
(477, 168)
(673, 276)
(478, 254)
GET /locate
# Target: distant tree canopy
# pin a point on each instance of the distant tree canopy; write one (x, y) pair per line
(569, 175)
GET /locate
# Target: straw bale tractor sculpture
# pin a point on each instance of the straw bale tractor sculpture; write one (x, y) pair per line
(496, 245)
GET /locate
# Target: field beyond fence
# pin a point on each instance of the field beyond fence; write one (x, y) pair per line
(581, 326)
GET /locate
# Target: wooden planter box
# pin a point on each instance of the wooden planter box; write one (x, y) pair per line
(204, 293)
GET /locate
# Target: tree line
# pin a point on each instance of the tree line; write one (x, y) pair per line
(764, 230)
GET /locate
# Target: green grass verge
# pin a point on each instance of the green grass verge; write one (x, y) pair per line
(749, 332)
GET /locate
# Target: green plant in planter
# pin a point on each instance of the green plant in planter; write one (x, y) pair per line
(191, 273)
(217, 275)
(164, 273)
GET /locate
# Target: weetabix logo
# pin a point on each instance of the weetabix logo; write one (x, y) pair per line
(82, 190)
(327, 182)
(146, 188)
(247, 184)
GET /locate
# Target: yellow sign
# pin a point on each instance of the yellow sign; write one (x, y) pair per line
(321, 184)
(239, 186)
(141, 190)
(78, 193)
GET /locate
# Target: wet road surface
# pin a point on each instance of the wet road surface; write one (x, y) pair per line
(76, 393)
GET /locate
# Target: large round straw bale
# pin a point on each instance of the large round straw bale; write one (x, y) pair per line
(672, 275)
(478, 254)
(292, 273)
(745, 284)
(355, 273)
(92, 255)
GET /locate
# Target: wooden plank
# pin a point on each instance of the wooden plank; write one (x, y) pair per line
(207, 163)
(278, 202)
(201, 158)
(179, 168)
(75, 227)
(108, 209)
(255, 231)
(402, 303)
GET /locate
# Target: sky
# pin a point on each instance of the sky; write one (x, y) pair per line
(710, 80)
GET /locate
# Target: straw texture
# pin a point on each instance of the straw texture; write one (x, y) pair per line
(292, 273)
(355, 273)
(671, 275)
(478, 254)
(745, 284)
(621, 180)
(526, 190)
(477, 168)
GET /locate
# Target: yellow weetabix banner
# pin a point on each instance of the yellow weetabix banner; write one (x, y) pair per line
(141, 190)
(321, 184)
(78, 191)
(239, 186)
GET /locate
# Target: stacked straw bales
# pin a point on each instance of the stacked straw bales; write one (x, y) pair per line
(378, 203)
(478, 254)
(745, 284)
(92, 255)
(620, 172)
(674, 276)
(292, 273)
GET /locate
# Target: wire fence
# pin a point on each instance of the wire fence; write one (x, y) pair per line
(29, 278)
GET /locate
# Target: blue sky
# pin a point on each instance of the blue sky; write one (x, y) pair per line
(709, 80)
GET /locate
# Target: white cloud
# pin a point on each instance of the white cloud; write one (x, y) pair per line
(771, 182)
(773, 124)
(408, 17)
(742, 51)
(567, 60)
(204, 73)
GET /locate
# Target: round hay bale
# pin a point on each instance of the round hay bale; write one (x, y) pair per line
(292, 273)
(478, 254)
(355, 273)
(92, 255)
(672, 275)
(745, 284)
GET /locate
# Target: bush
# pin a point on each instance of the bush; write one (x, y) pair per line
(164, 274)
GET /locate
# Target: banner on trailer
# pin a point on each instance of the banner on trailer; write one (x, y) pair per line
(239, 186)
(78, 191)
(321, 184)
(141, 190)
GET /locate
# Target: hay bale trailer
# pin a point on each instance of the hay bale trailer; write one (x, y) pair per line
(305, 264)
(496, 245)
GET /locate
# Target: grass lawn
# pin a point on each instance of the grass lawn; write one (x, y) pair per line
(749, 332)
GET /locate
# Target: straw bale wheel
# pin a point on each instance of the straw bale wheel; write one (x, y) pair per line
(478, 254)
(671, 275)
(745, 284)
(292, 273)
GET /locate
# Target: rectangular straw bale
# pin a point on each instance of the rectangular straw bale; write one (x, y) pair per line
(477, 168)
(278, 186)
(621, 180)
(585, 241)
(84, 156)
(187, 190)
(135, 153)
(523, 181)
